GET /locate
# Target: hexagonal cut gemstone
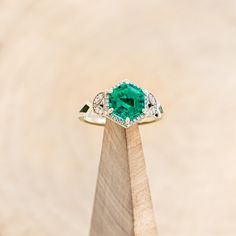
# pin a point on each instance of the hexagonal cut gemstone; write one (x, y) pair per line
(127, 101)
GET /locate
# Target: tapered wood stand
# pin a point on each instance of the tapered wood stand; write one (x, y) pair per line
(122, 205)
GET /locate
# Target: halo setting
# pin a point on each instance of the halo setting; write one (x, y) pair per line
(127, 104)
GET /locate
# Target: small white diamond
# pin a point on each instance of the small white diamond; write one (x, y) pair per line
(98, 99)
(110, 110)
(153, 110)
(152, 99)
(127, 121)
(126, 81)
(141, 116)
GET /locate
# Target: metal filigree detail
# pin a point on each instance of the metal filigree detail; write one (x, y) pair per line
(98, 104)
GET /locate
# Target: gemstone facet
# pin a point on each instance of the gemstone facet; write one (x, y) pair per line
(127, 102)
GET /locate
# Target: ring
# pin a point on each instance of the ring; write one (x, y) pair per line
(125, 103)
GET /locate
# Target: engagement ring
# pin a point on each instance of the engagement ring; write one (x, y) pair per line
(125, 103)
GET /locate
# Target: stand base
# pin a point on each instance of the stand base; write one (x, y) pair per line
(122, 205)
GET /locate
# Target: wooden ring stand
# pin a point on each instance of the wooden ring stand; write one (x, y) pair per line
(122, 205)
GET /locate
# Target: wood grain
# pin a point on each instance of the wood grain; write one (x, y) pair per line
(122, 203)
(55, 55)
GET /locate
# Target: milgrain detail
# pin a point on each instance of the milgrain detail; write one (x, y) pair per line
(122, 205)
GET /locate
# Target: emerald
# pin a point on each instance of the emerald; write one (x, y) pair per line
(127, 101)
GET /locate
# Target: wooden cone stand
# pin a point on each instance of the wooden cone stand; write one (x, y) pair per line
(122, 205)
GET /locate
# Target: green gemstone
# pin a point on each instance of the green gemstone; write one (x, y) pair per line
(127, 101)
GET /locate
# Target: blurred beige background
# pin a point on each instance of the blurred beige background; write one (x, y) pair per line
(54, 55)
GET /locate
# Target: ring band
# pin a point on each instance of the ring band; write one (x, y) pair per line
(125, 103)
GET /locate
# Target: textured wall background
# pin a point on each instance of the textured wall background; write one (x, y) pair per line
(54, 55)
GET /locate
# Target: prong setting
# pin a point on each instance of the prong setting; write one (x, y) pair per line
(110, 115)
(102, 105)
(127, 121)
(110, 110)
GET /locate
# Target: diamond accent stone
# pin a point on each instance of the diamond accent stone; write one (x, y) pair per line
(98, 103)
(98, 99)
(151, 103)
(152, 99)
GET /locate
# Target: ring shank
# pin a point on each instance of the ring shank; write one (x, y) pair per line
(87, 114)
